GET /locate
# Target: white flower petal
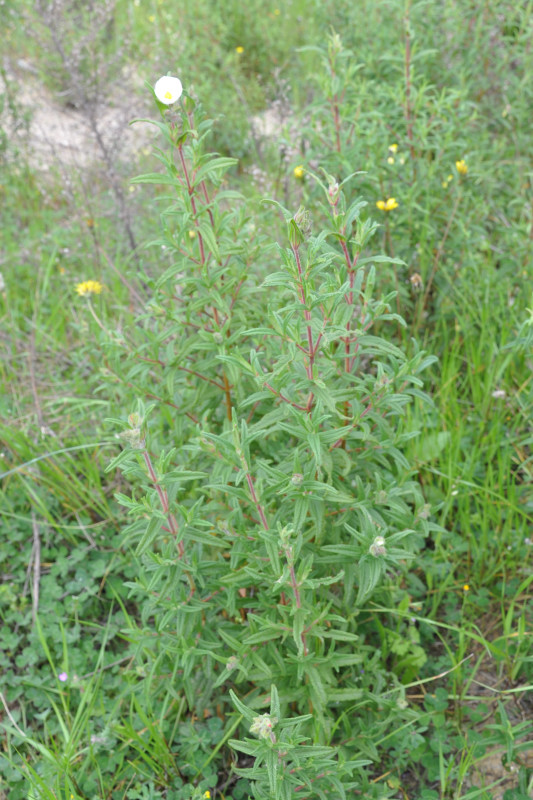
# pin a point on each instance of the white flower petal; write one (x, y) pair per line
(168, 89)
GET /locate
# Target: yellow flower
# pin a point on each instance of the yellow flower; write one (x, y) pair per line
(298, 172)
(192, 234)
(444, 184)
(89, 287)
(387, 205)
(393, 147)
(390, 160)
(466, 588)
(277, 12)
(239, 49)
(461, 167)
(207, 795)
(151, 18)
(449, 178)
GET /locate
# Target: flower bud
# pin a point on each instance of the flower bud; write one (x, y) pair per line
(262, 726)
(333, 192)
(299, 227)
(285, 536)
(335, 44)
(377, 548)
(134, 438)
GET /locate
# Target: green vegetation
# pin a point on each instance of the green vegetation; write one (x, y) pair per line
(266, 411)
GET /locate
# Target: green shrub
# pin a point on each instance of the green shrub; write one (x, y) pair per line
(272, 493)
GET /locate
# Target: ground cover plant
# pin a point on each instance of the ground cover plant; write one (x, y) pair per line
(267, 474)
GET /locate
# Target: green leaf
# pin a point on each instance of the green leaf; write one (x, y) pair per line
(246, 712)
(370, 571)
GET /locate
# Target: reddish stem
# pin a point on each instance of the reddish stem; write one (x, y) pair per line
(307, 315)
(256, 502)
(163, 499)
(190, 190)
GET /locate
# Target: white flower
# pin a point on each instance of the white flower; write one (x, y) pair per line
(168, 90)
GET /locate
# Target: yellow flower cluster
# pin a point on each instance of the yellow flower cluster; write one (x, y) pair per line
(239, 49)
(89, 287)
(461, 167)
(298, 172)
(387, 205)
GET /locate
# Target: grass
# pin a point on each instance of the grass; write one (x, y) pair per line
(461, 658)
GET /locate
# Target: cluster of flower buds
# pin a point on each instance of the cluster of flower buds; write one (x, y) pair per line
(262, 727)
(335, 45)
(133, 436)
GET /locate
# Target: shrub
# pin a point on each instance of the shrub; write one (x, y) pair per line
(271, 494)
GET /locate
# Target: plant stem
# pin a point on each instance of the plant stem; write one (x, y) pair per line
(163, 499)
(255, 499)
(311, 352)
(190, 190)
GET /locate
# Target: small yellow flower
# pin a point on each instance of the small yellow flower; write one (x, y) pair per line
(449, 178)
(390, 160)
(151, 18)
(239, 49)
(277, 12)
(444, 184)
(466, 588)
(298, 172)
(192, 234)
(207, 795)
(393, 147)
(461, 167)
(387, 205)
(89, 287)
